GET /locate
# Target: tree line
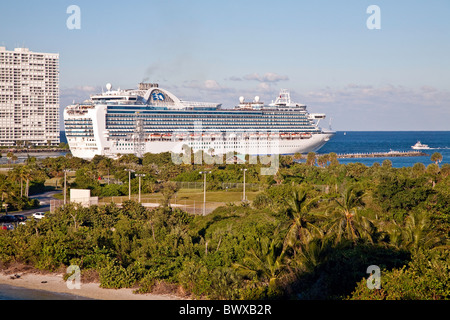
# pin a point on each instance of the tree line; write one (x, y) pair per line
(310, 234)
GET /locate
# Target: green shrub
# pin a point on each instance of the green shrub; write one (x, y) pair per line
(114, 276)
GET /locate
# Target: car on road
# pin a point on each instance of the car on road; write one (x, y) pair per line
(8, 219)
(7, 226)
(39, 215)
(20, 218)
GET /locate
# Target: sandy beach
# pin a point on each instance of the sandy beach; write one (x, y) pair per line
(92, 290)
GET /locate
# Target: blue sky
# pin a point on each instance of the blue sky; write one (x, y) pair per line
(395, 78)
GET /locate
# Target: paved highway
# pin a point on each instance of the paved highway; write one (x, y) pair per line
(44, 200)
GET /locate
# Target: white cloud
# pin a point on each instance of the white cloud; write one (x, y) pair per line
(387, 107)
(212, 84)
(77, 94)
(268, 77)
(207, 85)
(264, 86)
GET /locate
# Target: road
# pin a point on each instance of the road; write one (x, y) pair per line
(44, 200)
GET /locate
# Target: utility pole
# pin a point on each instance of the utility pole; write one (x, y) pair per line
(140, 176)
(244, 197)
(129, 182)
(65, 185)
(204, 191)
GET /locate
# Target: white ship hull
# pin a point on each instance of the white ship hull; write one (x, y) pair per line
(87, 150)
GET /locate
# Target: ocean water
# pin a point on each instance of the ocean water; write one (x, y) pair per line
(385, 141)
(8, 292)
(358, 142)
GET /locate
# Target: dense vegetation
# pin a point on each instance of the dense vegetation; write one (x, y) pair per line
(17, 184)
(311, 234)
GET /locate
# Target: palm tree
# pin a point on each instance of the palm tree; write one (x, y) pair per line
(266, 261)
(311, 159)
(418, 233)
(346, 221)
(9, 155)
(322, 160)
(168, 190)
(298, 156)
(332, 157)
(436, 158)
(312, 253)
(17, 174)
(300, 229)
(28, 174)
(433, 172)
(5, 189)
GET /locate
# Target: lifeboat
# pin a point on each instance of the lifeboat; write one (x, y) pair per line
(181, 137)
(306, 135)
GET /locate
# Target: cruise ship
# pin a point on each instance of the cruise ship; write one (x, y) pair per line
(150, 119)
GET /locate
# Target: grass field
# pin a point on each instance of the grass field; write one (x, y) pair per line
(188, 195)
(190, 200)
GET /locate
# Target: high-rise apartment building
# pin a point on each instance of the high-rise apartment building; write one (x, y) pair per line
(29, 98)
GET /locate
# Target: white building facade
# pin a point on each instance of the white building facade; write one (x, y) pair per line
(29, 98)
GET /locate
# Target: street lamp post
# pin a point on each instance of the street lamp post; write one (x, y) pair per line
(129, 182)
(65, 185)
(244, 197)
(140, 176)
(204, 191)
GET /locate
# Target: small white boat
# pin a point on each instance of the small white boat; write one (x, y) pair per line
(420, 146)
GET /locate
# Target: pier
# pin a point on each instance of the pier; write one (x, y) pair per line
(382, 154)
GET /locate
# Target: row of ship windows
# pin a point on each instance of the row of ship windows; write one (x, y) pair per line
(122, 125)
(78, 136)
(72, 132)
(79, 121)
(146, 112)
(213, 127)
(206, 117)
(213, 122)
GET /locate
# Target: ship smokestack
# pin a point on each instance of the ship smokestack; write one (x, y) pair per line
(147, 86)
